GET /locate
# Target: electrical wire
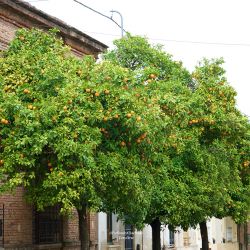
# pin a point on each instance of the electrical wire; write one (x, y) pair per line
(98, 12)
(178, 41)
(202, 42)
(153, 39)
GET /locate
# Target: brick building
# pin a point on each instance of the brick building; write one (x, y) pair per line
(21, 227)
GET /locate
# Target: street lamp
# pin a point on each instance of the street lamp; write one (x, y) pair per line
(110, 18)
(115, 11)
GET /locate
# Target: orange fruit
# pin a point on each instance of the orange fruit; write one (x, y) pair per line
(152, 76)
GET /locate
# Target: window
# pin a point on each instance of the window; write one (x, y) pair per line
(129, 237)
(171, 237)
(229, 233)
(47, 226)
(109, 227)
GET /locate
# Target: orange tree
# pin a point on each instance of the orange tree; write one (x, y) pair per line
(220, 158)
(71, 130)
(200, 161)
(49, 124)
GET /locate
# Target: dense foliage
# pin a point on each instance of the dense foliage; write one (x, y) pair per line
(202, 164)
(135, 134)
(70, 128)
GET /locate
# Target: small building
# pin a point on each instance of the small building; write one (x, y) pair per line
(223, 234)
(21, 226)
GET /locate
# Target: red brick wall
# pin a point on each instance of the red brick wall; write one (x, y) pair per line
(93, 228)
(7, 32)
(18, 214)
(18, 224)
(17, 219)
(11, 20)
(71, 232)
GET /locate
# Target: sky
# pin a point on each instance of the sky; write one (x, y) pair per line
(189, 30)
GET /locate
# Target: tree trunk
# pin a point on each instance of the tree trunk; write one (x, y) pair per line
(156, 234)
(83, 228)
(204, 235)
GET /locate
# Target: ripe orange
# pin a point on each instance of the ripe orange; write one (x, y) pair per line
(129, 115)
(123, 143)
(138, 118)
(97, 94)
(26, 91)
(152, 76)
(106, 91)
(116, 116)
(246, 163)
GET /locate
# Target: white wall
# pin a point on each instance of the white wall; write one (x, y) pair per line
(190, 240)
(102, 230)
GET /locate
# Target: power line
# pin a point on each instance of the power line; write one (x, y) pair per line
(178, 41)
(153, 39)
(202, 42)
(98, 12)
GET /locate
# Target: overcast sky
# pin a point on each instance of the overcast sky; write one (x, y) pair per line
(189, 30)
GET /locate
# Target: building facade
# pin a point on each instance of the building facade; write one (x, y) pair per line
(21, 226)
(223, 234)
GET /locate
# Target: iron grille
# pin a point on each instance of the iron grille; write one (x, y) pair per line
(48, 226)
(1, 225)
